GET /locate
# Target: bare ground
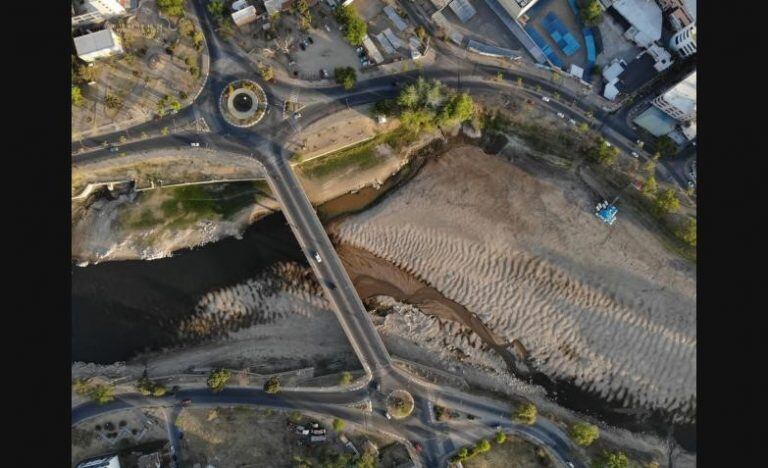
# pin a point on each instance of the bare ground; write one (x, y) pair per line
(608, 307)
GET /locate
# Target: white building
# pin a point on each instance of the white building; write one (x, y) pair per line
(93, 46)
(245, 16)
(684, 41)
(239, 5)
(679, 101)
(611, 76)
(517, 8)
(107, 8)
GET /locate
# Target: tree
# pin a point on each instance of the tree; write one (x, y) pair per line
(483, 446)
(173, 8)
(147, 387)
(218, 379)
(584, 433)
(649, 167)
(305, 17)
(346, 378)
(175, 105)
(526, 414)
(603, 152)
(591, 13)
(687, 232)
(650, 186)
(459, 108)
(113, 102)
(338, 425)
(611, 460)
(164, 131)
(355, 28)
(267, 73)
(409, 97)
(667, 202)
(421, 33)
(500, 437)
(583, 127)
(102, 394)
(346, 76)
(666, 146)
(367, 460)
(77, 96)
(417, 121)
(81, 386)
(272, 385)
(216, 8)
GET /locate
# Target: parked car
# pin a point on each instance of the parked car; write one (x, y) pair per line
(296, 115)
(376, 385)
(573, 122)
(303, 45)
(545, 99)
(389, 416)
(330, 285)
(310, 40)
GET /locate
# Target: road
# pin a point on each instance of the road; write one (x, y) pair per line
(265, 143)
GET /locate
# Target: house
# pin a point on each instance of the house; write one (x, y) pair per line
(244, 16)
(95, 45)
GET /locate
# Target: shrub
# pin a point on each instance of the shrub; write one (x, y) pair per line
(584, 433)
(591, 13)
(272, 385)
(102, 394)
(218, 379)
(171, 7)
(526, 414)
(666, 202)
(687, 232)
(500, 437)
(338, 425)
(346, 378)
(77, 96)
(611, 460)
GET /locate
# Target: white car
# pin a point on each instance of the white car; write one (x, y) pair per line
(561, 115)
(573, 122)
(195, 144)
(635, 155)
(316, 256)
(545, 99)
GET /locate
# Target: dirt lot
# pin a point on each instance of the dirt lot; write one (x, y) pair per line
(242, 436)
(117, 431)
(514, 453)
(138, 81)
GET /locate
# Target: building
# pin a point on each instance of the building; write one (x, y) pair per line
(106, 8)
(684, 41)
(245, 16)
(239, 5)
(517, 8)
(274, 6)
(611, 76)
(95, 45)
(110, 461)
(644, 16)
(679, 102)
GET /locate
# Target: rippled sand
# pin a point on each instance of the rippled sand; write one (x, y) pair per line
(605, 306)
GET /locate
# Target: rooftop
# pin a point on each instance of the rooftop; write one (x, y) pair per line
(95, 41)
(645, 15)
(683, 94)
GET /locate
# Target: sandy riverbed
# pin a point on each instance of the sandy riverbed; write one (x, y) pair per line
(607, 307)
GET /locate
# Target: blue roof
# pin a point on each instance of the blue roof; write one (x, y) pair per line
(544, 46)
(560, 34)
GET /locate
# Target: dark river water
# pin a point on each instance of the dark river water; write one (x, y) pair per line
(122, 308)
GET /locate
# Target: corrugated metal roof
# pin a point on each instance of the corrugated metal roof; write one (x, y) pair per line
(395, 18)
(463, 9)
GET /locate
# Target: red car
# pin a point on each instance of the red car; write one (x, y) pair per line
(186, 402)
(417, 446)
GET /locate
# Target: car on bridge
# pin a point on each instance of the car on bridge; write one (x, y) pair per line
(186, 402)
(316, 256)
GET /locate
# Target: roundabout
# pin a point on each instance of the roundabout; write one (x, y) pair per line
(242, 103)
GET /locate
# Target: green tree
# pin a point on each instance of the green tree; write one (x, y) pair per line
(81, 386)
(500, 437)
(611, 460)
(338, 425)
(416, 122)
(687, 232)
(583, 127)
(164, 131)
(409, 97)
(175, 105)
(421, 33)
(649, 167)
(113, 101)
(102, 394)
(77, 96)
(526, 414)
(666, 202)
(218, 379)
(346, 76)
(459, 108)
(272, 385)
(483, 446)
(584, 433)
(666, 146)
(216, 8)
(355, 28)
(591, 13)
(650, 186)
(346, 378)
(367, 460)
(173, 8)
(603, 152)
(267, 73)
(305, 17)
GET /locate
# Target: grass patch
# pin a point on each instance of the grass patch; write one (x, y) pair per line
(362, 156)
